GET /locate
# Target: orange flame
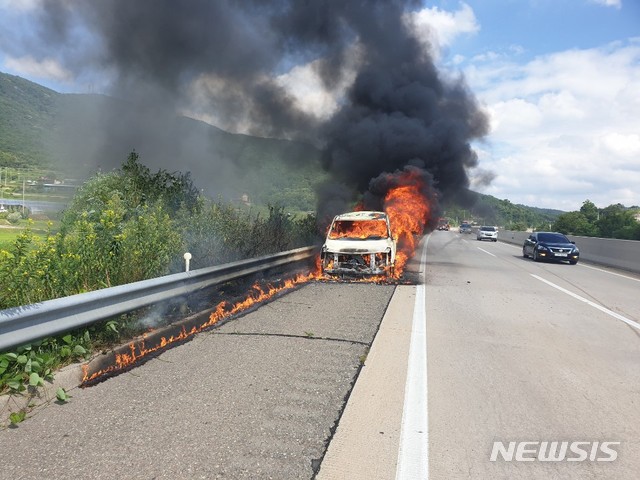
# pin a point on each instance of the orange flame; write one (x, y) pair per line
(409, 212)
(222, 310)
(359, 229)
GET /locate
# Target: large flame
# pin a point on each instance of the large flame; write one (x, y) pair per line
(406, 203)
(409, 211)
(359, 229)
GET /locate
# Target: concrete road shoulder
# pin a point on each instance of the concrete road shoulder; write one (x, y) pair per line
(365, 444)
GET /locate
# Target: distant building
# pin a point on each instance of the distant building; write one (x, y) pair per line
(59, 187)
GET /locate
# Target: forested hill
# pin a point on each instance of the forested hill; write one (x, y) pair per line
(78, 134)
(27, 112)
(518, 217)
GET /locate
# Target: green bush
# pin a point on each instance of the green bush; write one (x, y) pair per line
(14, 217)
(222, 233)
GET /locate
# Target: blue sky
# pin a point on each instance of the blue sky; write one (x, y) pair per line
(545, 26)
(560, 80)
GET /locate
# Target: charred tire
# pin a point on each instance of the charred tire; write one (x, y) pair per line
(535, 256)
(524, 254)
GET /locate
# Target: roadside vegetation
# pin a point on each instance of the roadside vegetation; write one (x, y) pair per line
(614, 221)
(122, 227)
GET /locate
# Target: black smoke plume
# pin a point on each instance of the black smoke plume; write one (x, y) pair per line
(398, 111)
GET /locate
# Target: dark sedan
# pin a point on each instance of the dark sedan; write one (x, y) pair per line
(550, 246)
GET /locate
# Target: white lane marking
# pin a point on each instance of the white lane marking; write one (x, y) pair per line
(631, 323)
(488, 253)
(610, 273)
(413, 452)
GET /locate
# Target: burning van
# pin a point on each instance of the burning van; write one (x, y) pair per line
(359, 243)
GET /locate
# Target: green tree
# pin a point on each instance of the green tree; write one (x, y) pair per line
(575, 223)
(616, 221)
(175, 190)
(135, 187)
(590, 211)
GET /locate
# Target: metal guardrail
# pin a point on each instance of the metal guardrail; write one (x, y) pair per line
(21, 325)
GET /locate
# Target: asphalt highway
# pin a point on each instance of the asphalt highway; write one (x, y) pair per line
(520, 351)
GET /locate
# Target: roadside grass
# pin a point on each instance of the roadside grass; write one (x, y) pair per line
(39, 197)
(9, 232)
(8, 235)
(41, 224)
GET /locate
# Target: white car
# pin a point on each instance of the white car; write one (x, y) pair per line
(359, 243)
(487, 233)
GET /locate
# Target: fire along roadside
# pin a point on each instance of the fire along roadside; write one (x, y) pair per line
(555, 451)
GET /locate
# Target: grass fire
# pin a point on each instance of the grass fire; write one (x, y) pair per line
(151, 343)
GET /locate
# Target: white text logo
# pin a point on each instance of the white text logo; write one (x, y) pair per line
(554, 451)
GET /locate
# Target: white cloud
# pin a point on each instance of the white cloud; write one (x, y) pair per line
(622, 145)
(305, 85)
(564, 126)
(609, 3)
(47, 68)
(439, 28)
(20, 5)
(512, 116)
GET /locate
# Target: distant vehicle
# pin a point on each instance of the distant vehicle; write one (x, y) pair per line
(487, 233)
(359, 243)
(465, 228)
(443, 224)
(550, 246)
